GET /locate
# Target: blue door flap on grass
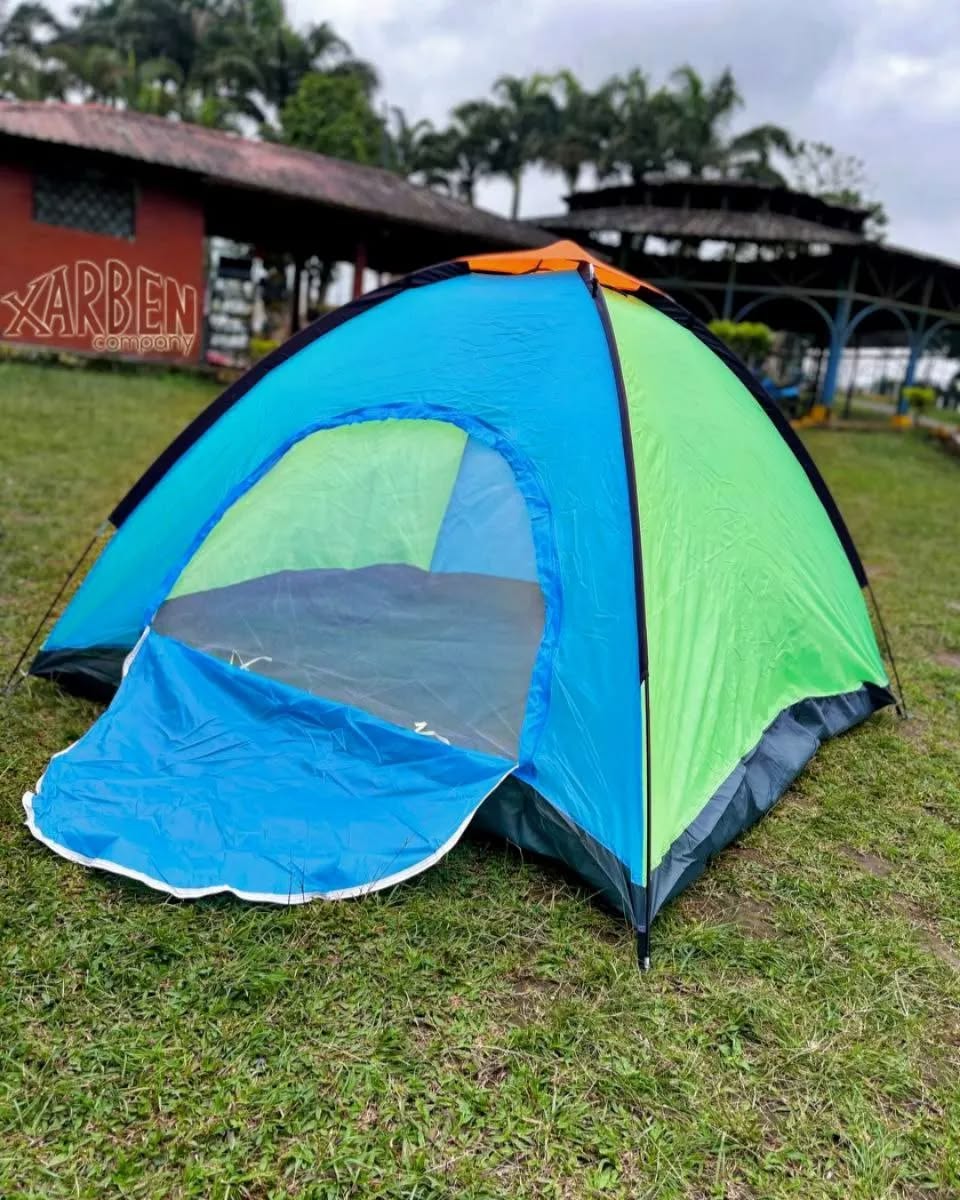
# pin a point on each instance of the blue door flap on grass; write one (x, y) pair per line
(203, 778)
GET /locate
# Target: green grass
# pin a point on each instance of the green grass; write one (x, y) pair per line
(946, 416)
(861, 409)
(483, 1031)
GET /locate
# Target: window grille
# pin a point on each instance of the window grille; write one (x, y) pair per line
(89, 201)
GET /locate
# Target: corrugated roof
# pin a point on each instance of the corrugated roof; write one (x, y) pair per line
(229, 159)
(713, 223)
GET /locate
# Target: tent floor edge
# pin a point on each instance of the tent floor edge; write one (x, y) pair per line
(517, 813)
(758, 782)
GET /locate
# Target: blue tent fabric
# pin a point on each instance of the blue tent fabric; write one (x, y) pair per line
(523, 365)
(202, 778)
(485, 531)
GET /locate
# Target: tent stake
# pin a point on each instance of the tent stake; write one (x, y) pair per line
(9, 686)
(643, 949)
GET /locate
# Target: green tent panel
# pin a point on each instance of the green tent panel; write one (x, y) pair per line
(751, 605)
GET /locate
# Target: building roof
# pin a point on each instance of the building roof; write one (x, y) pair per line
(734, 195)
(232, 160)
(706, 185)
(698, 209)
(699, 224)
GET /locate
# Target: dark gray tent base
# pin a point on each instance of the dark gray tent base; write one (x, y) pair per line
(93, 674)
(520, 814)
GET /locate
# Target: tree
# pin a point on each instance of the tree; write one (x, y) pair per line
(697, 114)
(582, 119)
(639, 127)
(28, 68)
(458, 156)
(749, 154)
(410, 148)
(841, 178)
(696, 117)
(225, 63)
(285, 55)
(332, 114)
(523, 122)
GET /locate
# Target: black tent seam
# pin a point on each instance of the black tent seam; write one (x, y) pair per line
(589, 278)
(236, 391)
(676, 312)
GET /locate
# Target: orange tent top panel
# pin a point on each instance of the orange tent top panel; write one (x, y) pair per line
(560, 256)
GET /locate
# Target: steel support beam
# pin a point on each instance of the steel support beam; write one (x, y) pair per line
(359, 266)
(838, 338)
(727, 312)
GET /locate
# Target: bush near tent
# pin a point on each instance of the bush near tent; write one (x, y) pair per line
(750, 340)
(919, 398)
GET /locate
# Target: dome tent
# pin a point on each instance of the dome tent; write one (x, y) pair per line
(513, 518)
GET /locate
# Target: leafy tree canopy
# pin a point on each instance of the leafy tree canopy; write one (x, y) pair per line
(332, 114)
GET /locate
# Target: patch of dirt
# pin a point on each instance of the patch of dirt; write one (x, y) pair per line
(754, 917)
(915, 728)
(423, 1030)
(930, 939)
(369, 1118)
(877, 570)
(953, 605)
(492, 1073)
(529, 997)
(873, 864)
(948, 659)
(526, 985)
(747, 853)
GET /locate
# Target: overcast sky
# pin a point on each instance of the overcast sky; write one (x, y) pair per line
(875, 78)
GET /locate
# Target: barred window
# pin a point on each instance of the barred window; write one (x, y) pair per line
(89, 201)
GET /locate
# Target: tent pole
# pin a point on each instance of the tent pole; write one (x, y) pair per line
(10, 684)
(901, 701)
(588, 275)
(648, 823)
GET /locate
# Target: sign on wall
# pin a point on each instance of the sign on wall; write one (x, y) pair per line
(108, 306)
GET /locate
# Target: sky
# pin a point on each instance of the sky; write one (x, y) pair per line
(876, 78)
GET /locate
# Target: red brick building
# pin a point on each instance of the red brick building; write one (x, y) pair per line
(105, 215)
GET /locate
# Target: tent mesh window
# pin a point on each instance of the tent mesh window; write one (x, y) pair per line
(386, 565)
(88, 201)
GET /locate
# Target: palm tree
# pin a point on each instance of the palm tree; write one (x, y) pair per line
(583, 120)
(638, 134)
(458, 156)
(526, 119)
(700, 112)
(187, 57)
(410, 144)
(211, 61)
(748, 154)
(29, 70)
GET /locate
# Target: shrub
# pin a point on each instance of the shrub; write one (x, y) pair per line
(751, 340)
(918, 398)
(261, 347)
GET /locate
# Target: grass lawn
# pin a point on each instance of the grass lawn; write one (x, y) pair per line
(863, 408)
(482, 1031)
